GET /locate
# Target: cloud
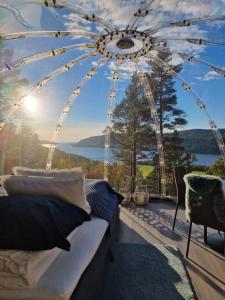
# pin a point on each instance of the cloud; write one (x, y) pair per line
(119, 12)
(211, 75)
(127, 69)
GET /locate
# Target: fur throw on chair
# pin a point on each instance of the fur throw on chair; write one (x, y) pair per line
(200, 188)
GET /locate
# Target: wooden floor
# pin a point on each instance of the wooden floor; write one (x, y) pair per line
(152, 224)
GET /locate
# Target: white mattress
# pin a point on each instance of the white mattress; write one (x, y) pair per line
(63, 275)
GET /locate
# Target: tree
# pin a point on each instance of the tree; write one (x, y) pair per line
(171, 118)
(131, 128)
(217, 169)
(10, 90)
(11, 84)
(162, 83)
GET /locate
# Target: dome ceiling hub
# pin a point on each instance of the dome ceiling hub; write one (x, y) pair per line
(125, 44)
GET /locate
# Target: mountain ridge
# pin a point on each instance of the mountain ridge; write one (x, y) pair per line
(194, 141)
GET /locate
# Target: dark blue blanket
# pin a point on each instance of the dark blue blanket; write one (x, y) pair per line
(103, 200)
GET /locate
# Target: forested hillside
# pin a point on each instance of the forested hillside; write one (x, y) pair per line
(194, 141)
(200, 141)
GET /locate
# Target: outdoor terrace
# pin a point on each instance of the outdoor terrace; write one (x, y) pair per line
(153, 224)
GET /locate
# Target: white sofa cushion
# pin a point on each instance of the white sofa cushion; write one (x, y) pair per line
(68, 189)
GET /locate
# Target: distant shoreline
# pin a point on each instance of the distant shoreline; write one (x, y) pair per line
(114, 148)
(97, 154)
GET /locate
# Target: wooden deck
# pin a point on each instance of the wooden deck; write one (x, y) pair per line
(153, 223)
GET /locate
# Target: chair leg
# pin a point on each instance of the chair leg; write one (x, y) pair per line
(224, 245)
(175, 216)
(205, 235)
(189, 238)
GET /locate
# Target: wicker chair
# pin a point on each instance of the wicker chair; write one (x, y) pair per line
(205, 204)
(179, 173)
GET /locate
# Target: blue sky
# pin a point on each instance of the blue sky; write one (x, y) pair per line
(88, 116)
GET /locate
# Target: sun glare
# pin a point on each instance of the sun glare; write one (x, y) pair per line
(30, 104)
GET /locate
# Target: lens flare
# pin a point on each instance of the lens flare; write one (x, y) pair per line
(30, 104)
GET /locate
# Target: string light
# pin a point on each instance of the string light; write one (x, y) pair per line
(67, 106)
(118, 45)
(153, 109)
(112, 96)
(200, 104)
(186, 87)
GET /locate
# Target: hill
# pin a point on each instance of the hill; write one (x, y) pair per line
(95, 141)
(194, 141)
(200, 141)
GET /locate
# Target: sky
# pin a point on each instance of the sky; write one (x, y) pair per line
(88, 116)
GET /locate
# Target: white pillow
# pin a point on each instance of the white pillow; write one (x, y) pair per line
(74, 173)
(68, 189)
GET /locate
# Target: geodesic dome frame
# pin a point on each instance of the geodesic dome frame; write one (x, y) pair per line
(119, 45)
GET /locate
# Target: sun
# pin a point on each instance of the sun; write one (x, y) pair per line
(30, 104)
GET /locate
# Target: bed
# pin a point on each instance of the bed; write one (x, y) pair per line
(79, 273)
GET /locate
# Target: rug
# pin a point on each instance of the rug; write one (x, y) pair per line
(147, 272)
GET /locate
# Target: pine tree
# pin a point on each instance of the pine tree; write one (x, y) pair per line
(162, 83)
(131, 128)
(171, 118)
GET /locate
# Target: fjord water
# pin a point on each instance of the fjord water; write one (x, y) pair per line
(98, 154)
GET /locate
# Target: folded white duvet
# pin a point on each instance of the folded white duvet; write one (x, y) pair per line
(24, 268)
(62, 276)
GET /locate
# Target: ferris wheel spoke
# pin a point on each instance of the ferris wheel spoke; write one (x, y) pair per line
(198, 101)
(36, 57)
(192, 58)
(185, 23)
(54, 34)
(67, 109)
(40, 84)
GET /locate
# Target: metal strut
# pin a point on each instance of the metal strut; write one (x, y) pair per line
(184, 23)
(108, 129)
(190, 58)
(154, 114)
(16, 14)
(200, 103)
(42, 55)
(78, 11)
(42, 83)
(91, 17)
(142, 12)
(189, 40)
(53, 34)
(66, 110)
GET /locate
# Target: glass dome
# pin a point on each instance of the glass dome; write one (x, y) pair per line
(61, 60)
